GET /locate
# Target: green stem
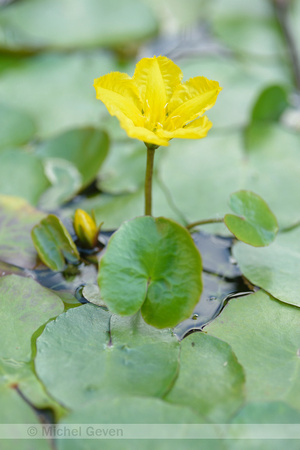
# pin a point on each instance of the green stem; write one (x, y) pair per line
(203, 222)
(148, 179)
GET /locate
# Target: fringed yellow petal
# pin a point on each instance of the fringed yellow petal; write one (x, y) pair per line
(190, 100)
(142, 134)
(156, 79)
(120, 95)
(195, 130)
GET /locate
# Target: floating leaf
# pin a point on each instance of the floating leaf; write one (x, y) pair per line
(54, 243)
(25, 306)
(22, 175)
(103, 354)
(65, 179)
(69, 99)
(85, 148)
(211, 380)
(129, 410)
(124, 169)
(58, 24)
(17, 218)
(275, 268)
(265, 336)
(15, 410)
(267, 412)
(91, 293)
(257, 225)
(16, 127)
(152, 265)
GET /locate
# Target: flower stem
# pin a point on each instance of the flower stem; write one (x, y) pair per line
(203, 222)
(148, 179)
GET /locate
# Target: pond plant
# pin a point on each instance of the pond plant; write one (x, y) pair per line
(101, 322)
(151, 264)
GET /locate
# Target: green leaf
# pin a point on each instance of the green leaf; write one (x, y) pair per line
(131, 410)
(65, 179)
(85, 148)
(59, 24)
(162, 275)
(25, 306)
(17, 218)
(256, 224)
(265, 336)
(270, 104)
(54, 243)
(267, 412)
(87, 352)
(16, 127)
(15, 410)
(275, 268)
(69, 100)
(91, 293)
(124, 169)
(211, 380)
(22, 175)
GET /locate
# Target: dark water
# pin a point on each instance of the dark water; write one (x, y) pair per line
(222, 280)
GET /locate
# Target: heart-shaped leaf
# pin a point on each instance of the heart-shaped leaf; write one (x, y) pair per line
(17, 218)
(54, 243)
(256, 224)
(152, 264)
(87, 353)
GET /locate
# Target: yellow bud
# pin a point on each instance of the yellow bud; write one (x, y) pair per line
(85, 228)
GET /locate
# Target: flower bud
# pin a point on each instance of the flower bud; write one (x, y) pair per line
(85, 228)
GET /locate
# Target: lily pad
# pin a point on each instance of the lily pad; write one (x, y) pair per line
(69, 99)
(134, 410)
(17, 218)
(162, 275)
(267, 412)
(54, 243)
(85, 148)
(256, 224)
(124, 169)
(210, 170)
(40, 24)
(16, 127)
(22, 175)
(104, 354)
(91, 293)
(265, 336)
(275, 268)
(66, 181)
(243, 27)
(15, 410)
(25, 306)
(211, 380)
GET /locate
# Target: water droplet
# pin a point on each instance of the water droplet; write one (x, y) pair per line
(195, 316)
(225, 363)
(212, 298)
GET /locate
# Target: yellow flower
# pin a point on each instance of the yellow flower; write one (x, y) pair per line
(154, 106)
